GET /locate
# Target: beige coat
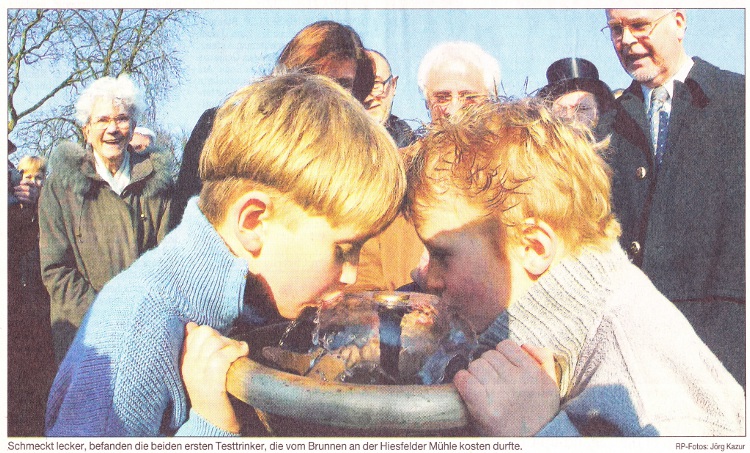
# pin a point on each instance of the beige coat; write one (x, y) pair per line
(386, 260)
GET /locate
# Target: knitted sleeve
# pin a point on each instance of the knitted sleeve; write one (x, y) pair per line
(560, 426)
(199, 426)
(124, 378)
(148, 395)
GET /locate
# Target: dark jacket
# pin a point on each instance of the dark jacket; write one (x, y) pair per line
(689, 222)
(685, 226)
(400, 131)
(31, 364)
(88, 233)
(188, 180)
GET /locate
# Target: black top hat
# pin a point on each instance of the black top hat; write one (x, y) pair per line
(576, 74)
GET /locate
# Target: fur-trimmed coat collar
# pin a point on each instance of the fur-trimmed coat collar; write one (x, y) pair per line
(74, 166)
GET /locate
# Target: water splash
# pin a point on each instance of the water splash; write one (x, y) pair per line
(381, 338)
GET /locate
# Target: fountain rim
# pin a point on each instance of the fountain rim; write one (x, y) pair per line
(345, 405)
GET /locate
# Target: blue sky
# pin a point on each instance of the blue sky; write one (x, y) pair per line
(232, 46)
(235, 45)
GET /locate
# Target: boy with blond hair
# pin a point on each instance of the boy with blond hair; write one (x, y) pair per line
(296, 177)
(33, 169)
(514, 208)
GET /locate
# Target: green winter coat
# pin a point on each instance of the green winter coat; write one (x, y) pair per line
(88, 233)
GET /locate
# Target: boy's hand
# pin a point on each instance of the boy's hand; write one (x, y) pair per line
(206, 357)
(510, 391)
(27, 192)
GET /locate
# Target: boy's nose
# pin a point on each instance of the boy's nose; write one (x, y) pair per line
(434, 282)
(348, 273)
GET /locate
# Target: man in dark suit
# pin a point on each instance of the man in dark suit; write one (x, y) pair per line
(677, 154)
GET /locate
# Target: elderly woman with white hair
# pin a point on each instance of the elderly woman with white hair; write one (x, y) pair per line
(101, 208)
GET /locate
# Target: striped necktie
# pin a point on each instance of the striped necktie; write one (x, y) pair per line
(659, 123)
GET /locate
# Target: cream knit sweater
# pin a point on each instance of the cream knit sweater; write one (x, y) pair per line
(632, 364)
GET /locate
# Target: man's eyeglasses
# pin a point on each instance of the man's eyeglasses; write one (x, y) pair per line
(465, 98)
(379, 88)
(639, 29)
(103, 122)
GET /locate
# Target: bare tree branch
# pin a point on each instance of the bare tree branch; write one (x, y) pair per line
(76, 46)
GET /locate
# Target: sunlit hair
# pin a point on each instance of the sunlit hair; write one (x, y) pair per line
(462, 51)
(306, 138)
(32, 164)
(120, 90)
(322, 43)
(517, 160)
(319, 43)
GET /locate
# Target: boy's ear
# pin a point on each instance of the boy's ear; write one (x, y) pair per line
(250, 212)
(539, 247)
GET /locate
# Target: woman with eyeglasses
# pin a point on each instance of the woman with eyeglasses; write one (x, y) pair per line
(101, 208)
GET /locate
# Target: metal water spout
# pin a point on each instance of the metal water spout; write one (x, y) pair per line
(391, 310)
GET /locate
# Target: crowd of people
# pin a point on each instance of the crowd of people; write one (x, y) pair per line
(595, 242)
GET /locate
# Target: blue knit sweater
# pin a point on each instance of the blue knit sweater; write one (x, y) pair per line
(121, 376)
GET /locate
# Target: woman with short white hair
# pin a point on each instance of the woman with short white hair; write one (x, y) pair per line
(102, 206)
